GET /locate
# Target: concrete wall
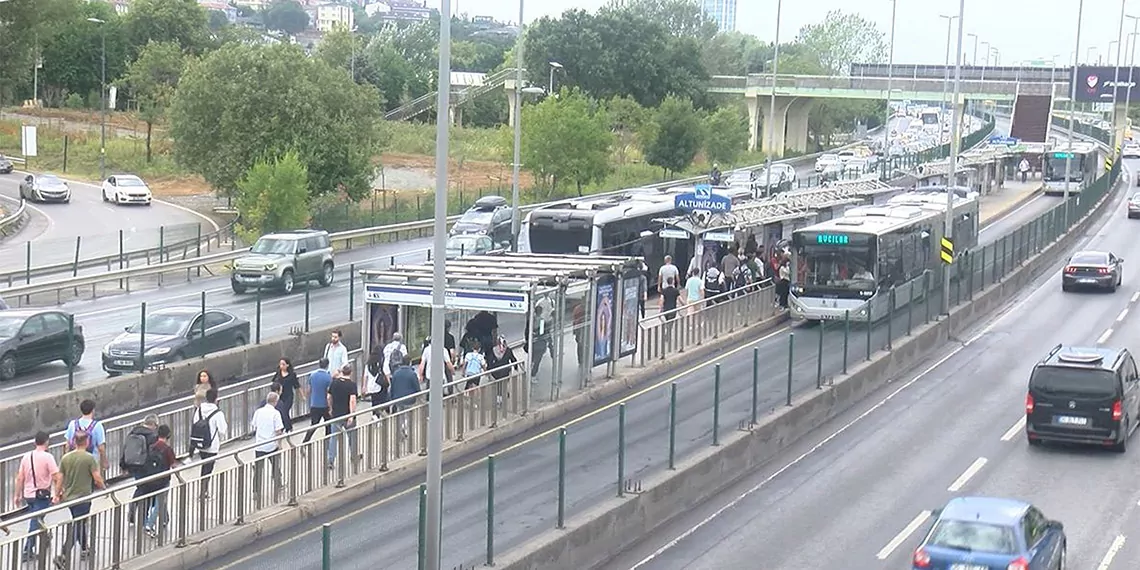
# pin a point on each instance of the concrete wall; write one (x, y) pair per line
(20, 419)
(595, 536)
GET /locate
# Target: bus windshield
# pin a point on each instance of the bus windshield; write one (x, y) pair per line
(546, 239)
(835, 261)
(930, 118)
(1055, 168)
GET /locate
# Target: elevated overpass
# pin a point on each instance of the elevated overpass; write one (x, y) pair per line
(1021, 74)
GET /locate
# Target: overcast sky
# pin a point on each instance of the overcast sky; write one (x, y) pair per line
(1020, 29)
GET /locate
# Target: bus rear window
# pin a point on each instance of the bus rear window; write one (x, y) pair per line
(559, 241)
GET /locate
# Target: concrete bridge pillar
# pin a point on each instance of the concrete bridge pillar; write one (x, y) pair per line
(796, 124)
(512, 93)
(455, 114)
(759, 106)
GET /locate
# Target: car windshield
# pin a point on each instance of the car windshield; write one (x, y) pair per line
(164, 324)
(973, 536)
(273, 246)
(1136, 197)
(463, 244)
(9, 326)
(1061, 380)
(129, 181)
(476, 217)
(50, 179)
(1089, 259)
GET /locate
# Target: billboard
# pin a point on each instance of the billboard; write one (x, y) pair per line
(1095, 83)
(604, 320)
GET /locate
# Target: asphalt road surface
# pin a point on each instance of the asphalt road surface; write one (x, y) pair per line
(857, 493)
(52, 227)
(526, 480)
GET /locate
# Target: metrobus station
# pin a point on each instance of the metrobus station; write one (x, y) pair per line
(567, 318)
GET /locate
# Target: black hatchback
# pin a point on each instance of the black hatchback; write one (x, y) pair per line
(1083, 395)
(32, 337)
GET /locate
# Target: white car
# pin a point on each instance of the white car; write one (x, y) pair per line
(126, 189)
(1130, 151)
(826, 160)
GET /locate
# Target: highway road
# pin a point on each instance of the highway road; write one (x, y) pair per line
(52, 227)
(857, 493)
(526, 479)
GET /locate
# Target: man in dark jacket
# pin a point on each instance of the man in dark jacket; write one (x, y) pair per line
(405, 382)
(145, 434)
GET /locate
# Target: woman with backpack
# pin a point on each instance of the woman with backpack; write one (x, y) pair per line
(287, 378)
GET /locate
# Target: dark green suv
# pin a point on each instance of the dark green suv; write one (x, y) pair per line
(281, 260)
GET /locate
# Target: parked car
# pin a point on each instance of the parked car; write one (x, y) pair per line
(126, 189)
(489, 215)
(44, 188)
(6, 165)
(281, 260)
(32, 337)
(468, 244)
(172, 334)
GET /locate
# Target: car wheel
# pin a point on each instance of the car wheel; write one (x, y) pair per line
(75, 355)
(327, 275)
(1066, 288)
(104, 194)
(1122, 445)
(7, 367)
(1033, 442)
(239, 341)
(237, 287)
(287, 282)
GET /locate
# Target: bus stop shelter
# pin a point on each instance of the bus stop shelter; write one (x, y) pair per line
(569, 314)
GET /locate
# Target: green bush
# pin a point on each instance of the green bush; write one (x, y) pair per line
(74, 101)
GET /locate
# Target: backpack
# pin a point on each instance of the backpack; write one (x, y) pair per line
(155, 461)
(135, 450)
(89, 430)
(201, 434)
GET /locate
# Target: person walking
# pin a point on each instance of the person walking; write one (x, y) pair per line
(206, 435)
(668, 271)
(342, 399)
(425, 357)
(713, 286)
(133, 458)
(693, 287)
(319, 382)
(642, 289)
(204, 382)
(80, 476)
(34, 480)
(1023, 168)
(405, 385)
(397, 345)
(287, 377)
(335, 351)
(97, 436)
(670, 299)
(159, 460)
(474, 365)
(266, 424)
(378, 378)
(784, 284)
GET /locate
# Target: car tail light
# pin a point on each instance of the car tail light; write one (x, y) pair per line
(921, 558)
(1117, 411)
(1019, 564)
(1028, 404)
(1103, 271)
(1070, 269)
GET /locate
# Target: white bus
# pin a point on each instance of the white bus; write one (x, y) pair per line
(621, 224)
(848, 265)
(1085, 163)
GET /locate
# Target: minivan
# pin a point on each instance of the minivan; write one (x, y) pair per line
(1083, 395)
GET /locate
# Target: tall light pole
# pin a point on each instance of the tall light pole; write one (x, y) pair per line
(1131, 62)
(434, 498)
(997, 56)
(771, 120)
(554, 65)
(517, 104)
(975, 60)
(1073, 108)
(986, 63)
(102, 99)
(1118, 134)
(955, 142)
(890, 77)
(1088, 54)
(946, 75)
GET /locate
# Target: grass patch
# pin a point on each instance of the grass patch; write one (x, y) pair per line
(76, 153)
(464, 143)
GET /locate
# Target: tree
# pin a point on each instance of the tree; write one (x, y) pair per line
(242, 103)
(152, 78)
(841, 39)
(287, 16)
(673, 137)
(72, 52)
(24, 25)
(336, 49)
(217, 20)
(680, 17)
(273, 196)
(736, 53)
(566, 138)
(386, 69)
(726, 135)
(183, 22)
(627, 118)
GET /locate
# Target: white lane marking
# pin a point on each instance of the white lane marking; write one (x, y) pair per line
(1113, 550)
(1135, 297)
(903, 535)
(1104, 337)
(967, 474)
(1120, 317)
(1013, 431)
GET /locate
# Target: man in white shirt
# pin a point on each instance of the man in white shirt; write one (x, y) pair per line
(667, 272)
(266, 425)
(425, 368)
(396, 344)
(336, 352)
(219, 428)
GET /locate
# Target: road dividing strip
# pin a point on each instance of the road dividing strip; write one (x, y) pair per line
(1113, 550)
(1104, 337)
(967, 474)
(1013, 431)
(903, 535)
(1124, 313)
(1136, 296)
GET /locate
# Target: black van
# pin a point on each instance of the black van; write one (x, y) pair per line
(1083, 395)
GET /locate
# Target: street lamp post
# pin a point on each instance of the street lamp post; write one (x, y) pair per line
(955, 142)
(975, 59)
(1131, 62)
(890, 77)
(1073, 108)
(946, 74)
(1118, 133)
(554, 65)
(771, 120)
(986, 62)
(517, 108)
(102, 99)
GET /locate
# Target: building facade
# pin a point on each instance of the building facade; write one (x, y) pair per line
(328, 17)
(723, 12)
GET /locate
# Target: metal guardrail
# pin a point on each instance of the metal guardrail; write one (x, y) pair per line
(13, 217)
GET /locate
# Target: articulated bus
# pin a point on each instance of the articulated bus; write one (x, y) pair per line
(621, 224)
(845, 267)
(1086, 162)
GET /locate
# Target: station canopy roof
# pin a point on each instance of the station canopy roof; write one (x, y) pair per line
(506, 271)
(791, 205)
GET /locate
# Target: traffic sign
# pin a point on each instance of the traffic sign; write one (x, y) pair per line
(947, 251)
(1004, 140)
(702, 198)
(702, 191)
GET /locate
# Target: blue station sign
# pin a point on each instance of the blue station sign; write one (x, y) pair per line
(702, 198)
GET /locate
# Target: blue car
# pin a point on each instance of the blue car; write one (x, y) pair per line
(987, 533)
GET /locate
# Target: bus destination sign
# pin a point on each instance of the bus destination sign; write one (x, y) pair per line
(832, 239)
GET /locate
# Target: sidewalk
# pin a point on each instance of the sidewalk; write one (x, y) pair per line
(1007, 198)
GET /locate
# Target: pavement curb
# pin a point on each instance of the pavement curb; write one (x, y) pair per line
(595, 536)
(375, 487)
(1018, 203)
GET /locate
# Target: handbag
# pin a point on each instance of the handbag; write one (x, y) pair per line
(41, 494)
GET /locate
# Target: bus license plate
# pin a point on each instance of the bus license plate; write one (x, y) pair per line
(1072, 420)
(124, 363)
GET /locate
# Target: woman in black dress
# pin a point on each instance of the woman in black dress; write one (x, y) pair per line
(287, 377)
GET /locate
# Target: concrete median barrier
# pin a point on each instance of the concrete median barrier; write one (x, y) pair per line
(593, 537)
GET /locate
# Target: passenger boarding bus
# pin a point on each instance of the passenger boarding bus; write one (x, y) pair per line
(621, 224)
(1085, 161)
(848, 265)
